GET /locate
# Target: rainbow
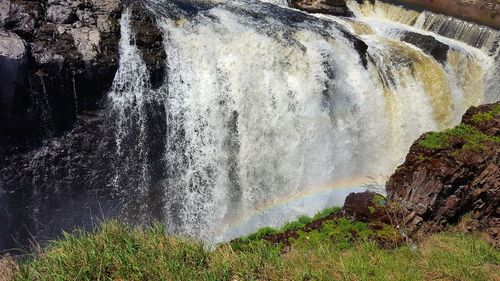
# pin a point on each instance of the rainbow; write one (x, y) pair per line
(307, 196)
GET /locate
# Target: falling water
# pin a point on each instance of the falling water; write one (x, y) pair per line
(268, 113)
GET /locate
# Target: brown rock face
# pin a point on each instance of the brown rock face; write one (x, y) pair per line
(366, 206)
(453, 176)
(331, 7)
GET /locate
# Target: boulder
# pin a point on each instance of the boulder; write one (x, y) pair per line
(4, 11)
(87, 41)
(23, 17)
(11, 45)
(429, 44)
(330, 7)
(86, 16)
(367, 207)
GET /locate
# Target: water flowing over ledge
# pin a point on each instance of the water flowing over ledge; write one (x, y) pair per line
(266, 113)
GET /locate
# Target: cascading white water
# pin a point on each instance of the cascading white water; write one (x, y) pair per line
(478, 36)
(271, 113)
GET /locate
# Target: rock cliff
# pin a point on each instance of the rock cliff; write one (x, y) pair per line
(58, 59)
(453, 177)
(64, 60)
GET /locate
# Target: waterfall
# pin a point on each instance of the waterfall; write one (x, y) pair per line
(478, 45)
(267, 113)
(478, 36)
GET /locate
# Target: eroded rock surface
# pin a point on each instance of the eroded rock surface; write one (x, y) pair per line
(70, 62)
(330, 7)
(453, 176)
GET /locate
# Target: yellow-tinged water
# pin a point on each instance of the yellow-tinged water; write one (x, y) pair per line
(361, 28)
(469, 76)
(405, 66)
(432, 75)
(390, 12)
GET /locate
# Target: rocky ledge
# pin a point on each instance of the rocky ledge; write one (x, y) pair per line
(330, 7)
(453, 177)
(449, 179)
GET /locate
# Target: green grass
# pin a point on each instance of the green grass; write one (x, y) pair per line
(474, 139)
(488, 115)
(298, 223)
(118, 252)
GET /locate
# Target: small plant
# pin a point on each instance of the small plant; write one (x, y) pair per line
(379, 200)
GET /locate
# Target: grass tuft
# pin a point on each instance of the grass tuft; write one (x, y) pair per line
(8, 268)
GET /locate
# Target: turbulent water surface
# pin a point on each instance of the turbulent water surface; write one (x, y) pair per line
(267, 113)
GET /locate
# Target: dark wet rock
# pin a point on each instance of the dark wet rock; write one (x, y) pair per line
(53, 75)
(457, 182)
(70, 64)
(13, 79)
(53, 180)
(331, 7)
(70, 159)
(23, 16)
(359, 45)
(149, 40)
(428, 44)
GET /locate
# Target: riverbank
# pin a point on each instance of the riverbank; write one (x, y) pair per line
(341, 249)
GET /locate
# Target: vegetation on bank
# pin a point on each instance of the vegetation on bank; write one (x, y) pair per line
(487, 115)
(471, 137)
(340, 249)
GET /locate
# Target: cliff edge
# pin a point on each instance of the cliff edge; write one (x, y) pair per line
(453, 177)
